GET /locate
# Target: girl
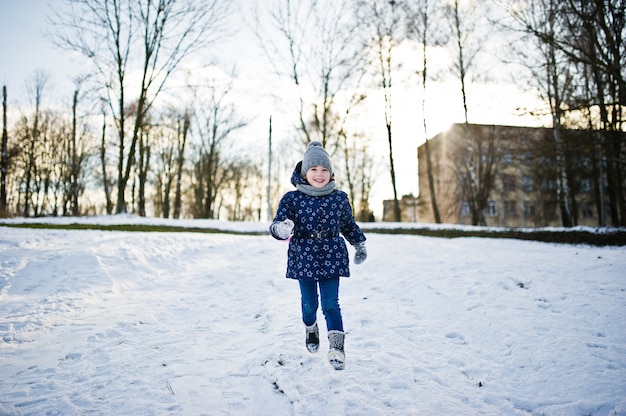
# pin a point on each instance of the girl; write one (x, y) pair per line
(312, 217)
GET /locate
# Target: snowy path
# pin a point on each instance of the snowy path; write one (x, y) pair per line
(98, 322)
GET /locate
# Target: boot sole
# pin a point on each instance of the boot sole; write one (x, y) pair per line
(337, 359)
(313, 348)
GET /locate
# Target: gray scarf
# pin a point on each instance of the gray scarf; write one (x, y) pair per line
(310, 190)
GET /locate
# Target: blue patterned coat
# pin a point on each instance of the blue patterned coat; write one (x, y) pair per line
(318, 258)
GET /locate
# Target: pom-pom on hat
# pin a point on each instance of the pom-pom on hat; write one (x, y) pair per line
(315, 155)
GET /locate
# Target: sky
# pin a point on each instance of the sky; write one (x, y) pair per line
(24, 48)
(105, 322)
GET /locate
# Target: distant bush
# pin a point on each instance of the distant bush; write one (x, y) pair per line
(595, 237)
(603, 237)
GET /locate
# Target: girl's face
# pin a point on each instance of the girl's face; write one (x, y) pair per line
(318, 176)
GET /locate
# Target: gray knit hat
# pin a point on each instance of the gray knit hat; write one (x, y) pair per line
(315, 155)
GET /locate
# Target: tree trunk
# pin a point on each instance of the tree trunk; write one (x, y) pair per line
(74, 163)
(555, 99)
(31, 168)
(431, 183)
(105, 178)
(392, 170)
(179, 168)
(143, 167)
(429, 164)
(4, 160)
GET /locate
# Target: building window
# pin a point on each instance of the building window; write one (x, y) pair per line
(526, 158)
(490, 209)
(510, 209)
(529, 209)
(508, 183)
(528, 184)
(547, 184)
(507, 158)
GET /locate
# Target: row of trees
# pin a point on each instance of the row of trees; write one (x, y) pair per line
(134, 49)
(579, 54)
(59, 166)
(127, 137)
(573, 53)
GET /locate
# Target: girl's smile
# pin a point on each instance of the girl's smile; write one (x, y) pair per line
(318, 176)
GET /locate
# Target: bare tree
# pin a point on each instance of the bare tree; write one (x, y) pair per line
(557, 78)
(358, 164)
(419, 26)
(4, 156)
(243, 194)
(361, 168)
(163, 170)
(37, 86)
(134, 47)
(594, 37)
(44, 159)
(216, 120)
(75, 167)
(480, 153)
(322, 60)
(181, 143)
(77, 153)
(103, 163)
(382, 31)
(170, 139)
(55, 166)
(319, 52)
(143, 166)
(542, 21)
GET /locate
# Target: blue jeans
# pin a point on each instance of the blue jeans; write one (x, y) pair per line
(329, 294)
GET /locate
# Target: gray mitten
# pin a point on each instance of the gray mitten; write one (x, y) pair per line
(361, 253)
(283, 229)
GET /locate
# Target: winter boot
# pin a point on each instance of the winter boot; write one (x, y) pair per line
(336, 356)
(312, 337)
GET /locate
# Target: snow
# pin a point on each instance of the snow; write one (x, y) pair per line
(109, 322)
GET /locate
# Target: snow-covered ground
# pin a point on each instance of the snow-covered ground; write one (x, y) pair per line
(106, 322)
